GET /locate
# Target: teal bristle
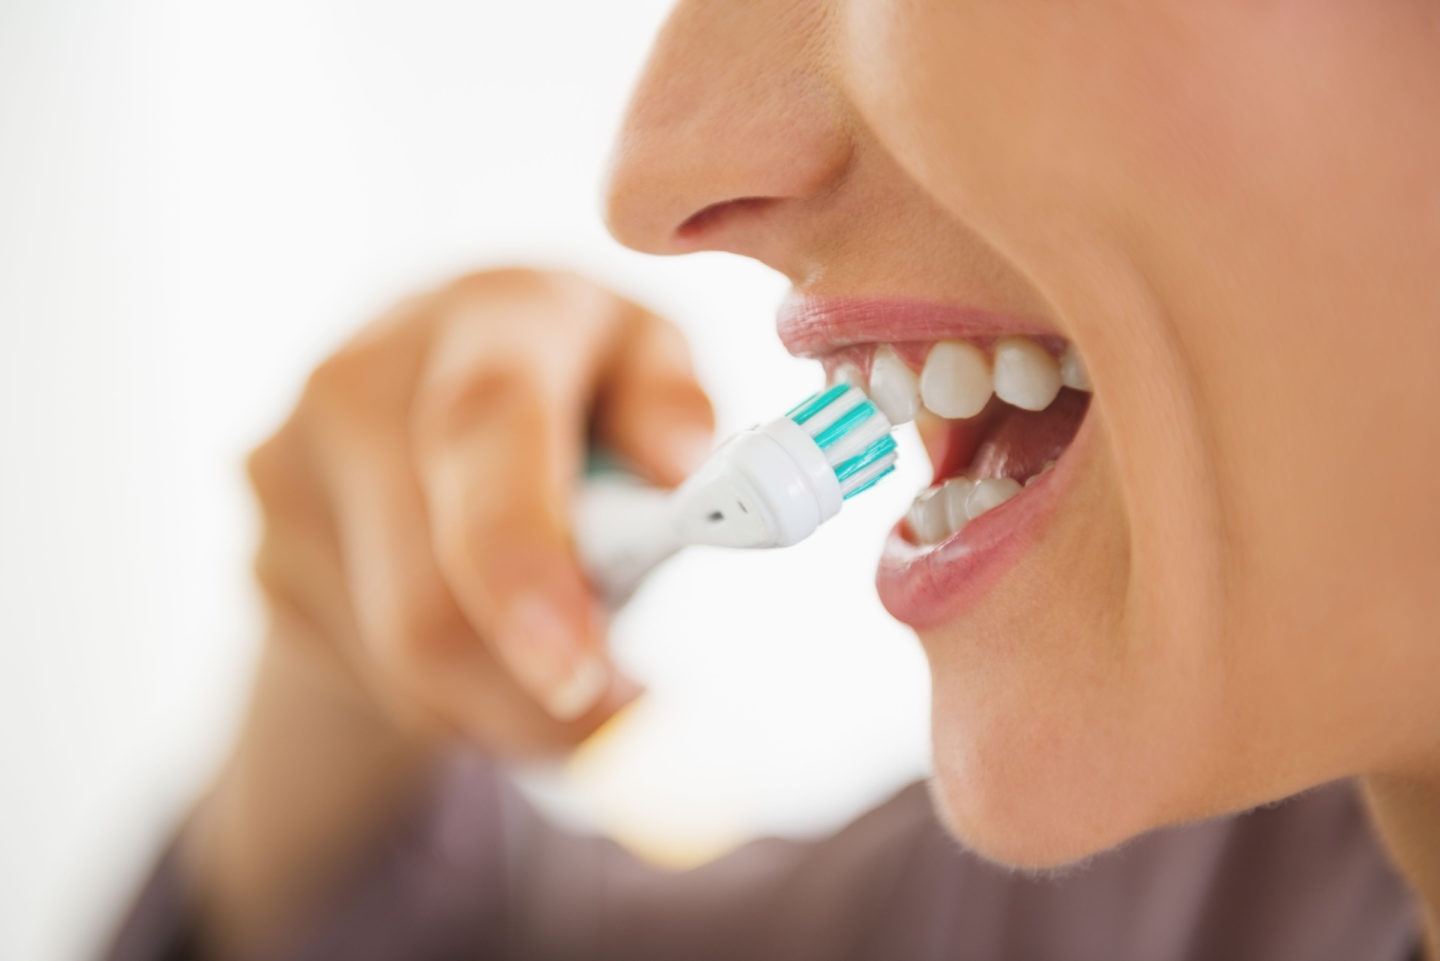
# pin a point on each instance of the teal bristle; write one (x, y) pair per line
(849, 468)
(847, 421)
(815, 403)
(852, 432)
(870, 483)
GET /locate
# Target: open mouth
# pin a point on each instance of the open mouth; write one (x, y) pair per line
(998, 407)
(994, 417)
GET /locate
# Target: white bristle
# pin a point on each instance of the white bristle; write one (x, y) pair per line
(865, 476)
(833, 411)
(854, 442)
(862, 436)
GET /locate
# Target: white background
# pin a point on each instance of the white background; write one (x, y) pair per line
(198, 200)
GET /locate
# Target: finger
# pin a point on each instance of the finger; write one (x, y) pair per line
(499, 424)
(653, 412)
(506, 720)
(425, 652)
(405, 619)
(421, 656)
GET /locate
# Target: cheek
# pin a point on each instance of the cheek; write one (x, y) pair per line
(981, 102)
(1195, 190)
(1076, 705)
(1015, 121)
(1069, 709)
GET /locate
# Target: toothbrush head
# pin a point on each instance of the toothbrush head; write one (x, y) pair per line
(773, 485)
(853, 434)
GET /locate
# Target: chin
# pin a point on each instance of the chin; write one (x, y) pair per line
(1011, 818)
(1040, 772)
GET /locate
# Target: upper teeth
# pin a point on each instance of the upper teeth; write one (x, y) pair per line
(1025, 373)
(1072, 369)
(848, 373)
(958, 378)
(893, 386)
(956, 381)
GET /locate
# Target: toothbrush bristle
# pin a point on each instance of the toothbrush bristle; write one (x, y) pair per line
(852, 432)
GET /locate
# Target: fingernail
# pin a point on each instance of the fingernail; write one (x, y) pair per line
(540, 647)
(577, 695)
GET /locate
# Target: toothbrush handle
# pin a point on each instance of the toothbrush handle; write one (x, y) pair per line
(622, 530)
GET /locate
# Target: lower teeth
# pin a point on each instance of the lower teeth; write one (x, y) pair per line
(939, 512)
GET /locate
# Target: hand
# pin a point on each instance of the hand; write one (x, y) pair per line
(416, 503)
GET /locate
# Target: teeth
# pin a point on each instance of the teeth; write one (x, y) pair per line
(958, 379)
(1072, 370)
(989, 493)
(1039, 473)
(956, 490)
(1026, 376)
(927, 517)
(940, 511)
(955, 381)
(893, 387)
(848, 373)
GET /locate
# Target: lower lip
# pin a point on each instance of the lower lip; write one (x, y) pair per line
(926, 585)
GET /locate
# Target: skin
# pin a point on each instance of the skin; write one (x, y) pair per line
(1231, 208)
(417, 569)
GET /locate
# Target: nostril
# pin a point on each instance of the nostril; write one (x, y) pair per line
(712, 216)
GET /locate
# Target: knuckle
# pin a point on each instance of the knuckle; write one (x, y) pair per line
(488, 281)
(527, 282)
(263, 464)
(340, 379)
(270, 468)
(555, 301)
(373, 372)
(281, 473)
(454, 405)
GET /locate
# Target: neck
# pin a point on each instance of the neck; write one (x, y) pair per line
(1406, 810)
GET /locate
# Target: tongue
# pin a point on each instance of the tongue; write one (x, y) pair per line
(1019, 442)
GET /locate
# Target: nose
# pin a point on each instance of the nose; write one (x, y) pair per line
(732, 129)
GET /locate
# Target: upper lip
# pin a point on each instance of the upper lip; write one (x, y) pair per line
(812, 326)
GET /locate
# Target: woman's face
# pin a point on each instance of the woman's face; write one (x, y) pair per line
(1228, 587)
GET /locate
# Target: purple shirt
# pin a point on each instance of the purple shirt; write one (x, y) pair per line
(474, 872)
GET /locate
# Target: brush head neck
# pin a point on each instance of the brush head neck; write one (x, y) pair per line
(770, 486)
